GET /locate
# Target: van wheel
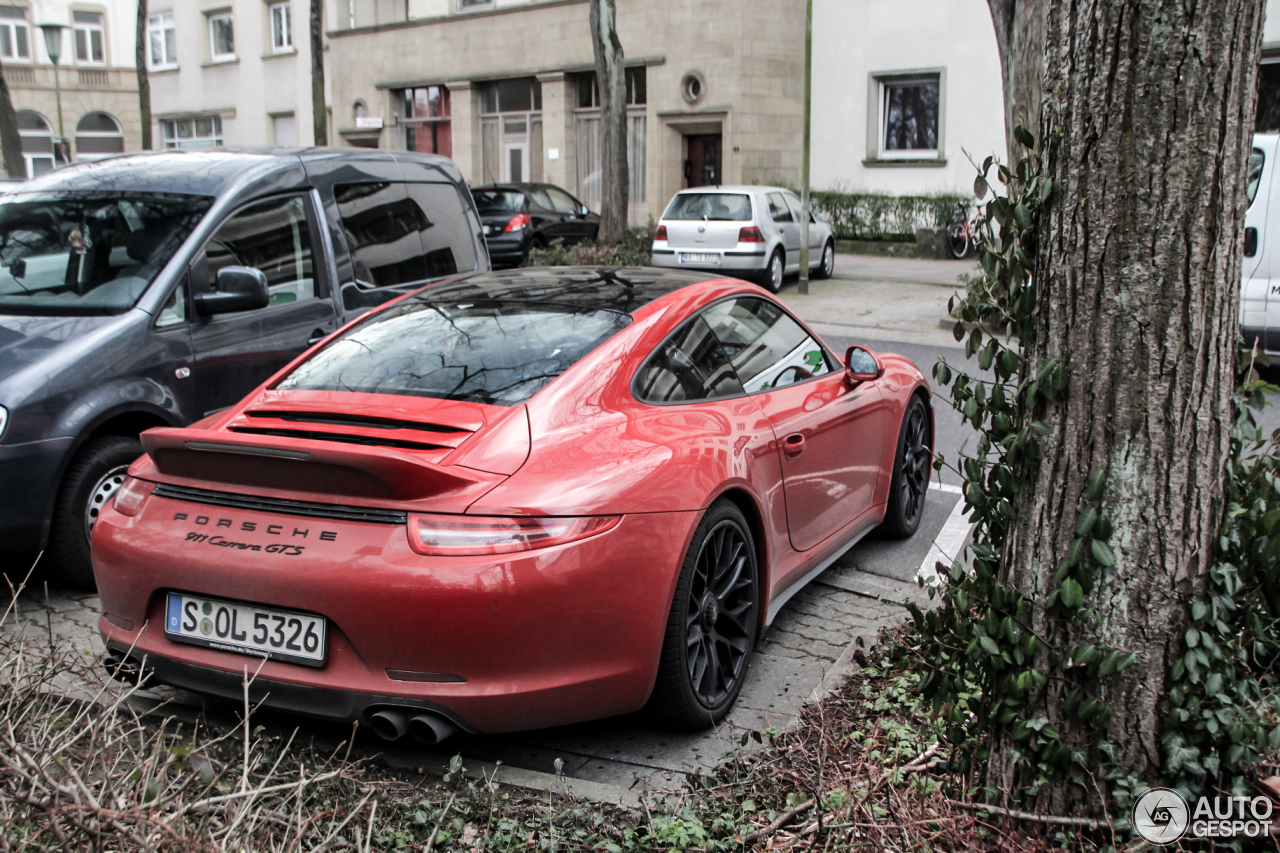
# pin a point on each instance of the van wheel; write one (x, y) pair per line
(90, 482)
(771, 278)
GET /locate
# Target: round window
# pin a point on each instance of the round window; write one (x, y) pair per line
(692, 87)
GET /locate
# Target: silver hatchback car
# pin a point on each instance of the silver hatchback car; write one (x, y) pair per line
(746, 231)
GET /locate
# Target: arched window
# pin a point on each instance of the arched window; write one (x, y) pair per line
(98, 135)
(37, 142)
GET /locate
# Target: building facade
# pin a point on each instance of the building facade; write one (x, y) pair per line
(506, 88)
(99, 115)
(233, 73)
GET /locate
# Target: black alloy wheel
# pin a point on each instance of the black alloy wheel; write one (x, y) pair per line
(711, 629)
(911, 470)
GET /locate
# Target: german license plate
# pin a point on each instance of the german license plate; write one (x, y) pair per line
(699, 258)
(246, 629)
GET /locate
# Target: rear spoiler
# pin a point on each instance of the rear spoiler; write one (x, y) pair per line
(279, 467)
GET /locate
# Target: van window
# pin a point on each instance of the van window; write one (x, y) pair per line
(272, 236)
(1256, 161)
(382, 225)
(447, 243)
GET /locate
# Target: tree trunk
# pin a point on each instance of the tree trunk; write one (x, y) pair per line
(319, 113)
(1150, 107)
(611, 76)
(1019, 28)
(144, 83)
(10, 142)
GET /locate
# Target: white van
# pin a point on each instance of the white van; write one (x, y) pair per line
(1260, 270)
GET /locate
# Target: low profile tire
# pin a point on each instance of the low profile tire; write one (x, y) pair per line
(711, 630)
(92, 479)
(827, 265)
(911, 468)
(771, 278)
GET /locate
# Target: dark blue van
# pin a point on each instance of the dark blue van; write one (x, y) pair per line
(155, 289)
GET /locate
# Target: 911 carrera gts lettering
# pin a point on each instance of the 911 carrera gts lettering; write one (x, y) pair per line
(220, 542)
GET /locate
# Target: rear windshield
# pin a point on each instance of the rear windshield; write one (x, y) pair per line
(88, 253)
(500, 353)
(729, 207)
(498, 201)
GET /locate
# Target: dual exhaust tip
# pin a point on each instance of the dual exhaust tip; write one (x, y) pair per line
(427, 728)
(390, 724)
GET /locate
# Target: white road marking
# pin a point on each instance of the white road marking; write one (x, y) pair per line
(950, 539)
(946, 487)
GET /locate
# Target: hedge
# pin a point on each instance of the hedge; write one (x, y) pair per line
(879, 216)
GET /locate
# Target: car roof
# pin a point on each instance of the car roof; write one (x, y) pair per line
(733, 188)
(208, 172)
(624, 289)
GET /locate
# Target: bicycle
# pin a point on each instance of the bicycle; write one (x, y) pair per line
(965, 230)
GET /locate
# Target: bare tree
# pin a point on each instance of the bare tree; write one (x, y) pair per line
(1019, 28)
(611, 76)
(10, 142)
(1147, 115)
(319, 113)
(144, 82)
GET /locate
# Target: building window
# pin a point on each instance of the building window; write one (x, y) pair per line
(588, 137)
(161, 42)
(222, 39)
(37, 142)
(15, 34)
(195, 132)
(281, 27)
(88, 38)
(511, 130)
(467, 5)
(909, 116)
(98, 135)
(284, 130)
(427, 128)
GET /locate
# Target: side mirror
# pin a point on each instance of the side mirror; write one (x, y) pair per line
(239, 289)
(861, 365)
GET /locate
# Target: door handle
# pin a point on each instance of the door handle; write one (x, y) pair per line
(793, 445)
(317, 335)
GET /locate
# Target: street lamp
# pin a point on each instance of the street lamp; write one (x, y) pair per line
(53, 46)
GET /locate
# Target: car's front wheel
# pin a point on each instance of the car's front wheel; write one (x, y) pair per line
(826, 266)
(911, 469)
(90, 482)
(711, 629)
(771, 278)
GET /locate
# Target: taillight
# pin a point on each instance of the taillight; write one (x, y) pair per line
(131, 495)
(661, 233)
(463, 536)
(750, 234)
(517, 223)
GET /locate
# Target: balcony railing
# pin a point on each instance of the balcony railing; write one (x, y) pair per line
(72, 78)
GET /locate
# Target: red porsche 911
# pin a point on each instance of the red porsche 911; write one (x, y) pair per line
(515, 500)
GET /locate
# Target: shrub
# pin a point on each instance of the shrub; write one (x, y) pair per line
(633, 252)
(880, 216)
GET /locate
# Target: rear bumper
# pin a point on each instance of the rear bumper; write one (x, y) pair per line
(508, 248)
(542, 638)
(28, 480)
(731, 262)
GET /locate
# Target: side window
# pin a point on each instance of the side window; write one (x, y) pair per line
(690, 365)
(778, 208)
(766, 347)
(273, 236)
(794, 204)
(447, 242)
(1256, 161)
(174, 312)
(562, 202)
(539, 197)
(382, 224)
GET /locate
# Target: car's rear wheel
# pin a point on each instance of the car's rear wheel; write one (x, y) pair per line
(91, 481)
(826, 266)
(771, 278)
(711, 629)
(911, 468)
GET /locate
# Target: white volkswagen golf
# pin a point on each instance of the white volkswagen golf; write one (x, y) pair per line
(745, 232)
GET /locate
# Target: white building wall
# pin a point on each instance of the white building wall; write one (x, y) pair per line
(853, 39)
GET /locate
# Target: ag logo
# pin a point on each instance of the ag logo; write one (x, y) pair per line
(1161, 816)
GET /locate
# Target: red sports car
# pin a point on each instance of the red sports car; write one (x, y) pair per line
(515, 500)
